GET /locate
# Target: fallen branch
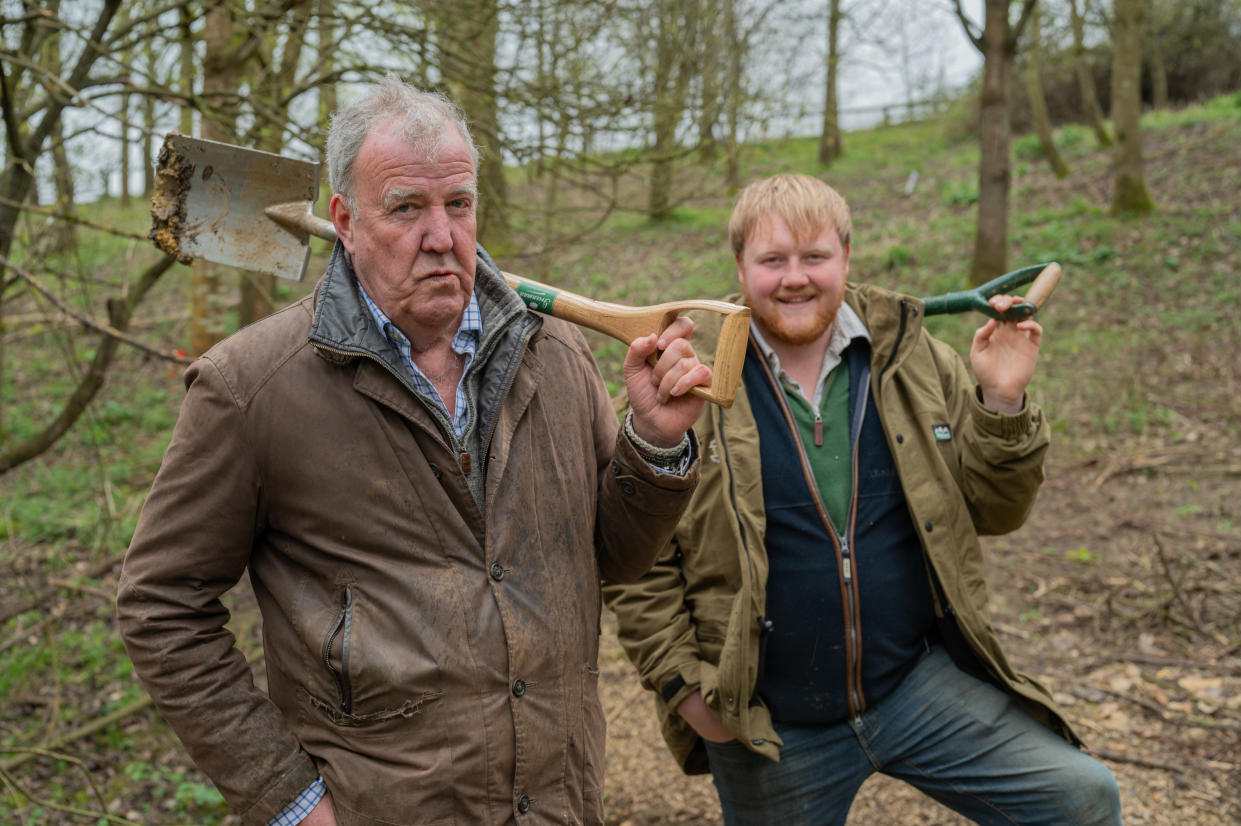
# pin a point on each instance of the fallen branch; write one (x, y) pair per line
(40, 598)
(84, 730)
(1146, 762)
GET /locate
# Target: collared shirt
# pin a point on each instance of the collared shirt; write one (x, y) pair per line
(465, 342)
(847, 326)
(300, 809)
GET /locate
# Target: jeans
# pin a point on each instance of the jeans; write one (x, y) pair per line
(962, 741)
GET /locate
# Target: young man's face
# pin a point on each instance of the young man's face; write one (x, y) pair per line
(412, 239)
(793, 287)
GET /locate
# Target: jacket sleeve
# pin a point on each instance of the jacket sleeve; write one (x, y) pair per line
(637, 508)
(1001, 457)
(656, 629)
(191, 545)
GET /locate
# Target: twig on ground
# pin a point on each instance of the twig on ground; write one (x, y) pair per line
(1117, 756)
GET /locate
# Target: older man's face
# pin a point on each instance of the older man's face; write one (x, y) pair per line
(412, 238)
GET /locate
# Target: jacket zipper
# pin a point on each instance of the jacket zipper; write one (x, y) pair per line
(841, 541)
(854, 655)
(341, 628)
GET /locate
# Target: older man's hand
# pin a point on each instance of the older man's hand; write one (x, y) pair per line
(663, 409)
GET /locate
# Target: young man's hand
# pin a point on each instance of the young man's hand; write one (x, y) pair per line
(1003, 355)
(693, 709)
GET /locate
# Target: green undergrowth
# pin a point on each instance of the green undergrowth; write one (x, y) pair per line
(1140, 348)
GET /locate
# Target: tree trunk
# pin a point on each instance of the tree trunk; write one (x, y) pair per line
(709, 71)
(1129, 193)
(1158, 70)
(1038, 104)
(1085, 82)
(62, 174)
(830, 143)
(995, 137)
(209, 300)
(125, 148)
(674, 47)
(188, 67)
(467, 59)
(148, 121)
(734, 95)
(257, 289)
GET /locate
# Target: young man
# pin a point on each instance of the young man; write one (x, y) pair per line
(426, 482)
(820, 614)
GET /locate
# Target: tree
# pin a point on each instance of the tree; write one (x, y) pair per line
(225, 53)
(1038, 104)
(1085, 82)
(675, 44)
(997, 40)
(36, 90)
(830, 144)
(466, 33)
(1129, 193)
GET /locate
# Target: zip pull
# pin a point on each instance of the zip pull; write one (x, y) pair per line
(466, 463)
(846, 568)
(818, 429)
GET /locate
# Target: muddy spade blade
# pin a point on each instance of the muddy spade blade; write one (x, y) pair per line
(211, 202)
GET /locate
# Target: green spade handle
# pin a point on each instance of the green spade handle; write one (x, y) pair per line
(1044, 276)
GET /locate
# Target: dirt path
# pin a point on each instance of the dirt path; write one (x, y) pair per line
(1115, 595)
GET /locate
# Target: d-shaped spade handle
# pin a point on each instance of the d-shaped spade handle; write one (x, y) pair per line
(1045, 277)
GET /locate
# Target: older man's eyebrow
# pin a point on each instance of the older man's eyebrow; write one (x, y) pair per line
(400, 196)
(395, 197)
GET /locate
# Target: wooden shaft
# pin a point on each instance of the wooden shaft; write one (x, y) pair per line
(615, 320)
(628, 323)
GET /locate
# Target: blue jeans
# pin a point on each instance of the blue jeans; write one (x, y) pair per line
(960, 740)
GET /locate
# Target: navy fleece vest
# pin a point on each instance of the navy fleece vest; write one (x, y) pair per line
(803, 679)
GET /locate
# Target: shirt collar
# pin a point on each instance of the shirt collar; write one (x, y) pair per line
(468, 333)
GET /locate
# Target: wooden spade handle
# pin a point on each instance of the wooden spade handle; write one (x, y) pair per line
(628, 323)
(1043, 285)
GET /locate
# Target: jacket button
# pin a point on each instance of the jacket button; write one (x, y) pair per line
(616, 468)
(929, 527)
(627, 487)
(497, 573)
(758, 741)
(900, 439)
(519, 687)
(523, 804)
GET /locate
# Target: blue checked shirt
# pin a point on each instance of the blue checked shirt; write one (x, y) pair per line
(299, 809)
(464, 342)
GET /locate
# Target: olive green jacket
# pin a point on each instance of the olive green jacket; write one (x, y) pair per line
(695, 617)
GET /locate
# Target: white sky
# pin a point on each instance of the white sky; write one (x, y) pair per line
(923, 50)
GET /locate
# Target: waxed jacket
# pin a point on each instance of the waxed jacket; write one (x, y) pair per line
(433, 661)
(694, 620)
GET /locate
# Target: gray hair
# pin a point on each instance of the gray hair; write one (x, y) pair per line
(418, 115)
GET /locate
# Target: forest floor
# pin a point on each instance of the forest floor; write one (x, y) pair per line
(1122, 593)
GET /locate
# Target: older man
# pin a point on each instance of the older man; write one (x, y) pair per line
(426, 482)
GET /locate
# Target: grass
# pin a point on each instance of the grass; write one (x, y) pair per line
(1140, 349)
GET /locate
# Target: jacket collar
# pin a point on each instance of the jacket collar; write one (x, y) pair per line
(342, 325)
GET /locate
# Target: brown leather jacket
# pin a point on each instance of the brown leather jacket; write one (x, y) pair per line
(433, 660)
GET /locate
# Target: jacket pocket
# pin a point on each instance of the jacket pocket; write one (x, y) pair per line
(336, 650)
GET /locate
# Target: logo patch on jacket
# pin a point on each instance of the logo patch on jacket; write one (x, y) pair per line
(943, 432)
